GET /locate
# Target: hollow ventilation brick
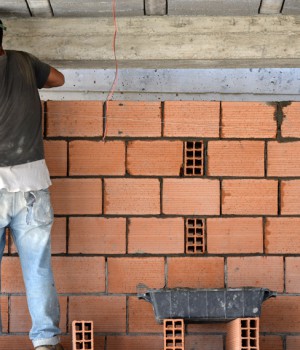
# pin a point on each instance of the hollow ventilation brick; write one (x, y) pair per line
(193, 158)
(82, 335)
(243, 334)
(173, 334)
(194, 236)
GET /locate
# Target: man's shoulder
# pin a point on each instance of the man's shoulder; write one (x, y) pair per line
(17, 53)
(20, 56)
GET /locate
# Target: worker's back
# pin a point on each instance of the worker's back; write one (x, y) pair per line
(20, 108)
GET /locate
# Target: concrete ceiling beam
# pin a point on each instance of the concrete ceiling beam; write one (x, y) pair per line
(260, 41)
(275, 84)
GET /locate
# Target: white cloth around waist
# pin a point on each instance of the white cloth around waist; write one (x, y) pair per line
(25, 177)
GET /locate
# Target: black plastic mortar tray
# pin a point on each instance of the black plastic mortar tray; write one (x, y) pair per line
(206, 305)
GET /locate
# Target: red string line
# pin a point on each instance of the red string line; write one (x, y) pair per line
(113, 86)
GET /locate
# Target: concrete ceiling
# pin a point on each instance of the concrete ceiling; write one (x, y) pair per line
(99, 8)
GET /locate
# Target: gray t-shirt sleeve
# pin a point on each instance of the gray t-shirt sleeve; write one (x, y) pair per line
(41, 70)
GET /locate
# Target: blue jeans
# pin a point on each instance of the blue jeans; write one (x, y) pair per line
(29, 216)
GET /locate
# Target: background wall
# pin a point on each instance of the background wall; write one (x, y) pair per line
(125, 208)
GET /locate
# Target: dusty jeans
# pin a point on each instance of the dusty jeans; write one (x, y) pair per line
(30, 216)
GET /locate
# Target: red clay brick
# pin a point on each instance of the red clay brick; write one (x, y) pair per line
(234, 235)
(174, 334)
(192, 118)
(283, 159)
(156, 236)
(74, 118)
(270, 342)
(99, 343)
(101, 235)
(291, 123)
(256, 271)
(292, 343)
(290, 197)
(8, 241)
(243, 333)
(141, 317)
(145, 342)
(4, 313)
(282, 235)
(66, 341)
(125, 274)
(58, 236)
(133, 118)
(97, 158)
(281, 315)
(16, 342)
(56, 157)
(249, 197)
(292, 274)
(191, 196)
(248, 120)
(154, 158)
(219, 327)
(77, 196)
(236, 158)
(195, 240)
(203, 342)
(83, 334)
(132, 196)
(196, 272)
(194, 158)
(107, 312)
(85, 274)
(11, 276)
(20, 320)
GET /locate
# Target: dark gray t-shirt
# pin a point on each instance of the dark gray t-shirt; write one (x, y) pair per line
(21, 140)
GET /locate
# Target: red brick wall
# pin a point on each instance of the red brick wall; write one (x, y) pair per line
(122, 209)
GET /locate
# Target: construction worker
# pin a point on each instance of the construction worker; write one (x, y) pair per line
(25, 205)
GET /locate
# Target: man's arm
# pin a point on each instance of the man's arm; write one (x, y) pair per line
(55, 79)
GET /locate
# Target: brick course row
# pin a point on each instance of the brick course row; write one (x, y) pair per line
(109, 315)
(179, 119)
(108, 236)
(128, 196)
(125, 274)
(198, 342)
(165, 158)
(202, 342)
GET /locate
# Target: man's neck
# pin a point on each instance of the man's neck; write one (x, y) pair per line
(2, 52)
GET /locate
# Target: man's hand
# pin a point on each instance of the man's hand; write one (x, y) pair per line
(55, 79)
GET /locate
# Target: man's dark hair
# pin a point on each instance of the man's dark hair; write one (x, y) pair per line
(1, 33)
